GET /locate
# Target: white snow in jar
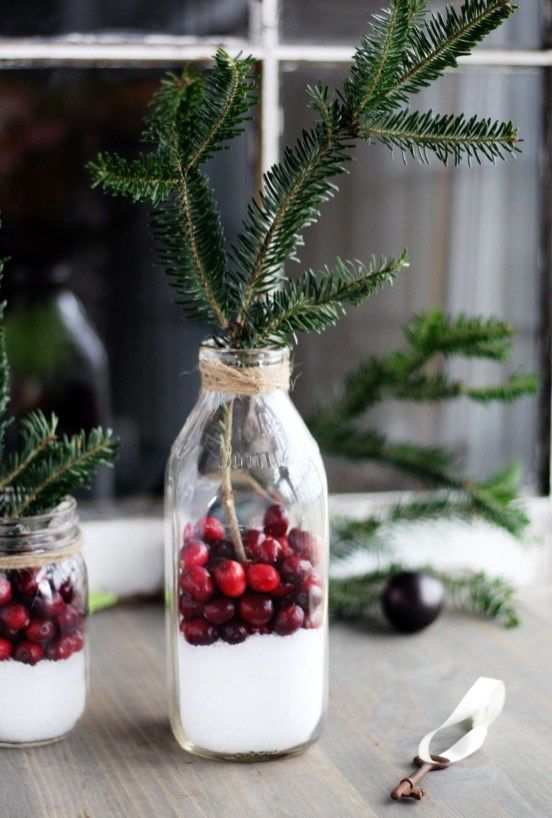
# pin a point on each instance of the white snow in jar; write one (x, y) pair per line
(264, 695)
(43, 701)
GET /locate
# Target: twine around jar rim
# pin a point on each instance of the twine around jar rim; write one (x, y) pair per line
(217, 376)
(28, 559)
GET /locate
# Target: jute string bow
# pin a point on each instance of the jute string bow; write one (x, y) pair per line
(29, 559)
(217, 376)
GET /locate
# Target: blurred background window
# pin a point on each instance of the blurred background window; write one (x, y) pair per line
(92, 332)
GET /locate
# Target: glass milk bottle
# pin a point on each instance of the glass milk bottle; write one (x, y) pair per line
(246, 565)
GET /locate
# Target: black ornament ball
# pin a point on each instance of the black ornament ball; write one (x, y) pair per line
(412, 600)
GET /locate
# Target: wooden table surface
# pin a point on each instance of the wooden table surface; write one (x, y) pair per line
(386, 692)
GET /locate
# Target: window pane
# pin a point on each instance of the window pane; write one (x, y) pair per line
(194, 17)
(51, 123)
(473, 237)
(324, 20)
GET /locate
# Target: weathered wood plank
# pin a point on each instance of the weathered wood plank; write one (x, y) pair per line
(386, 692)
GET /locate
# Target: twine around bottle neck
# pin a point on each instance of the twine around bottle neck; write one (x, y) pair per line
(30, 559)
(216, 376)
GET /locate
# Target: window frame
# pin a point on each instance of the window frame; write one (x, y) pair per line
(263, 43)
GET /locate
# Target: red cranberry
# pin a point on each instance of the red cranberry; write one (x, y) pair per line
(233, 633)
(68, 620)
(189, 608)
(295, 568)
(276, 521)
(224, 550)
(5, 649)
(230, 578)
(309, 594)
(194, 552)
(260, 630)
(15, 616)
(199, 632)
(5, 590)
(303, 543)
(77, 641)
(40, 630)
(288, 620)
(286, 549)
(210, 529)
(284, 589)
(11, 633)
(265, 549)
(256, 609)
(67, 591)
(219, 611)
(27, 580)
(251, 540)
(28, 652)
(62, 648)
(197, 583)
(49, 604)
(263, 578)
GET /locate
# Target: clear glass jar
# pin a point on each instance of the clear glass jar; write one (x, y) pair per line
(43, 610)
(246, 571)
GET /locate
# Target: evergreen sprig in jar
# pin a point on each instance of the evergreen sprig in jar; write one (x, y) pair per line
(247, 543)
(43, 610)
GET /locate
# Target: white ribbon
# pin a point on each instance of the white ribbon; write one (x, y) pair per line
(481, 705)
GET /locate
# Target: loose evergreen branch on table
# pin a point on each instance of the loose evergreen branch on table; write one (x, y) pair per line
(36, 477)
(402, 375)
(244, 294)
(359, 597)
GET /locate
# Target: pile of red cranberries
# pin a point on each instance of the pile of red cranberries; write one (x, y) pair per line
(37, 619)
(277, 590)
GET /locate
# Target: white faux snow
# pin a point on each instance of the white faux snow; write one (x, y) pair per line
(264, 695)
(43, 701)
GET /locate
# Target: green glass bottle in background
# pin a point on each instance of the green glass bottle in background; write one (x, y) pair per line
(57, 360)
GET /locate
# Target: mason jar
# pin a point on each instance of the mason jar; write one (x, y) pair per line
(43, 610)
(246, 565)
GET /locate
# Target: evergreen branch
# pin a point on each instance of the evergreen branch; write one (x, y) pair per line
(69, 464)
(293, 192)
(377, 61)
(448, 136)
(147, 178)
(517, 386)
(359, 597)
(189, 245)
(439, 43)
(37, 432)
(317, 300)
(427, 388)
(434, 332)
(174, 106)
(482, 595)
(429, 463)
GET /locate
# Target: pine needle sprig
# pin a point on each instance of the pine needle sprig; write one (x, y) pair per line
(37, 433)
(195, 115)
(317, 300)
(401, 375)
(67, 464)
(359, 597)
(449, 136)
(441, 40)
